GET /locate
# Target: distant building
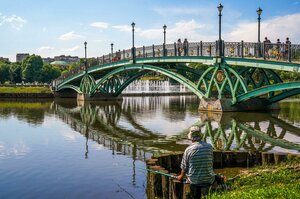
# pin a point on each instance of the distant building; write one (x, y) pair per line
(21, 56)
(4, 59)
(68, 59)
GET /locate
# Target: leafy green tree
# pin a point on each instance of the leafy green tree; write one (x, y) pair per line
(49, 73)
(4, 72)
(16, 72)
(92, 62)
(32, 68)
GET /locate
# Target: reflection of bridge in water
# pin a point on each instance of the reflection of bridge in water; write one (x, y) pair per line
(104, 123)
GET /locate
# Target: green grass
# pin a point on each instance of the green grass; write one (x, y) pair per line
(265, 182)
(25, 90)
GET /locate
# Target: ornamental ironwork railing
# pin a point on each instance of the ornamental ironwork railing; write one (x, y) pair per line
(273, 51)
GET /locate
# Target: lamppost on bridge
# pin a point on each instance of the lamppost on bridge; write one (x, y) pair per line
(85, 56)
(133, 48)
(259, 11)
(220, 8)
(164, 46)
(112, 51)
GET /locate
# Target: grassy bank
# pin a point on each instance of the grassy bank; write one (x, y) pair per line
(25, 89)
(280, 181)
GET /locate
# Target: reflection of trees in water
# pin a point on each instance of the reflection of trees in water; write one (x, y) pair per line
(29, 112)
(290, 111)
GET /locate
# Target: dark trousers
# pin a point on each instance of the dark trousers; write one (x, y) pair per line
(195, 191)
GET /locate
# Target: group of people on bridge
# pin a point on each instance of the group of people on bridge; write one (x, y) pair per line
(182, 47)
(279, 50)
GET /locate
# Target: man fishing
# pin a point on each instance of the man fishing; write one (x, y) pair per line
(197, 163)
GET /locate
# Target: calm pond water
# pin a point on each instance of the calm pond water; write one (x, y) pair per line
(63, 149)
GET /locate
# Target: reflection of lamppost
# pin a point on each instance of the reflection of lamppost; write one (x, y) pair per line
(133, 49)
(112, 51)
(259, 11)
(165, 27)
(220, 8)
(85, 59)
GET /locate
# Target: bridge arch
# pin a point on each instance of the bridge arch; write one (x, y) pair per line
(272, 88)
(177, 77)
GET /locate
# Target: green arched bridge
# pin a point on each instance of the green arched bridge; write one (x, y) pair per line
(243, 76)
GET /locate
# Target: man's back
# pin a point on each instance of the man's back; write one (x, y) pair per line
(197, 161)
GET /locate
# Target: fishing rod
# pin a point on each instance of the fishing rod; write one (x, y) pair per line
(162, 173)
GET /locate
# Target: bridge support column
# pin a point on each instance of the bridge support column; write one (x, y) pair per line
(98, 97)
(225, 105)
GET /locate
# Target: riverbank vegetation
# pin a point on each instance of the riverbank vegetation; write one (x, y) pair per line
(32, 69)
(27, 89)
(280, 181)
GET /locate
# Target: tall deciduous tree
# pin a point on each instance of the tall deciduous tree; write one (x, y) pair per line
(4, 72)
(16, 72)
(32, 68)
(49, 73)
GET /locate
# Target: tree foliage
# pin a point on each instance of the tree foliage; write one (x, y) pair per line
(49, 73)
(4, 72)
(32, 68)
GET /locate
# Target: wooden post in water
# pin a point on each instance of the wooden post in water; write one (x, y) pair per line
(165, 185)
(151, 181)
(267, 158)
(280, 157)
(218, 163)
(176, 189)
(186, 190)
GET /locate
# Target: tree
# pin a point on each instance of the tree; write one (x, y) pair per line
(32, 68)
(49, 73)
(16, 72)
(4, 72)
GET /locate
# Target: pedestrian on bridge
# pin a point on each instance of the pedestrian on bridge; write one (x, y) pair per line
(277, 49)
(179, 47)
(287, 47)
(267, 47)
(185, 47)
(197, 163)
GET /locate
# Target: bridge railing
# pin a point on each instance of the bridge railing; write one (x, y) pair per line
(273, 51)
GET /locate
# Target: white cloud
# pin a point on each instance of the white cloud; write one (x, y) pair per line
(123, 28)
(182, 29)
(70, 36)
(101, 25)
(167, 11)
(278, 27)
(14, 21)
(75, 48)
(44, 48)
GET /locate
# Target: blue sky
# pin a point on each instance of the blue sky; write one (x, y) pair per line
(57, 27)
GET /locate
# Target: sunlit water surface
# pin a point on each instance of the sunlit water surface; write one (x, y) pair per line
(69, 150)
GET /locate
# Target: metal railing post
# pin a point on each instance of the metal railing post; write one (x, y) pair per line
(289, 52)
(217, 48)
(201, 48)
(210, 50)
(242, 49)
(153, 50)
(198, 50)
(264, 50)
(175, 49)
(144, 51)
